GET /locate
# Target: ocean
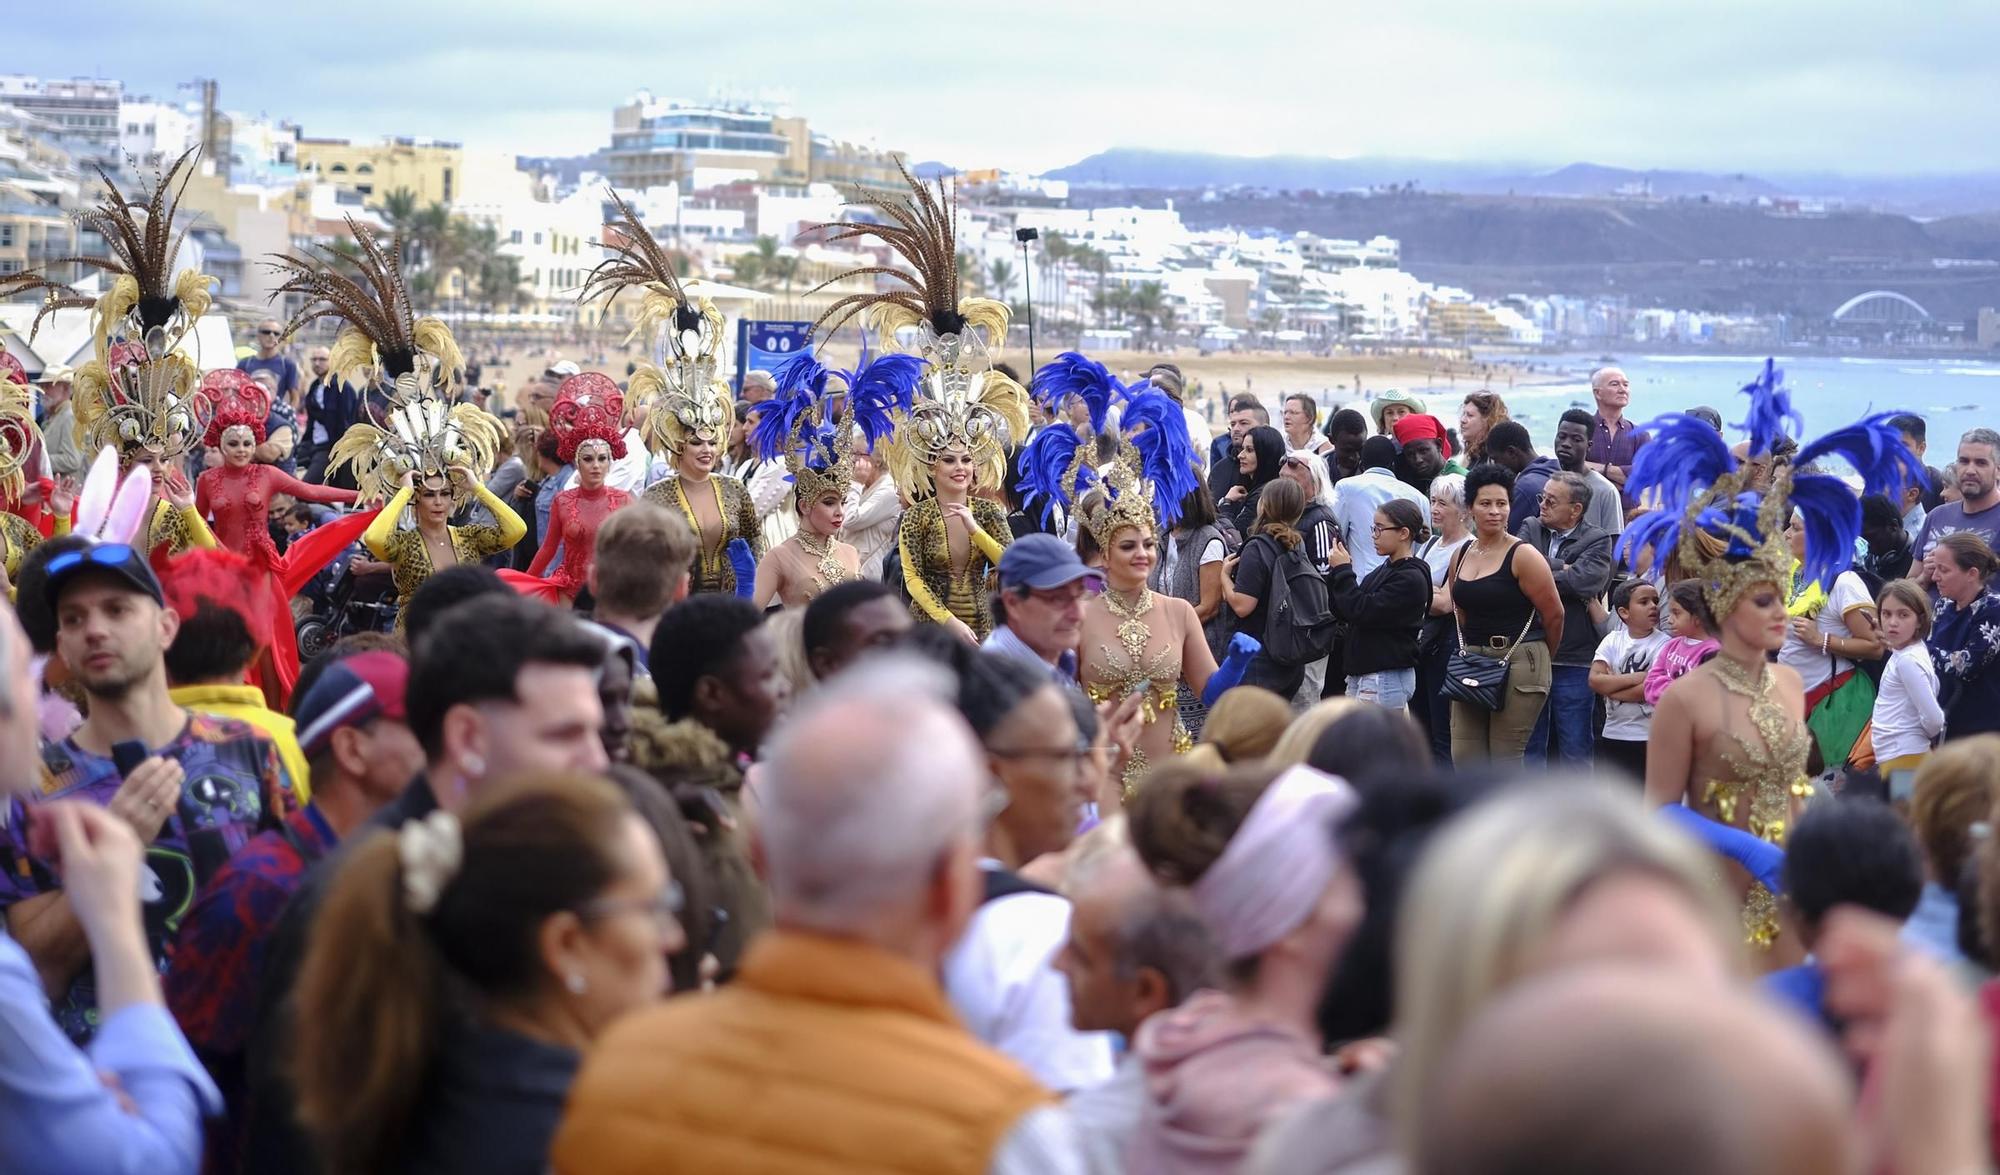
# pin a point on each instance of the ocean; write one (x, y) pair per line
(1952, 395)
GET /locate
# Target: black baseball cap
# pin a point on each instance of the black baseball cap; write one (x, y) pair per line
(121, 561)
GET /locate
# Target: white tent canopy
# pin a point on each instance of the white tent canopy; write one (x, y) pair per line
(65, 338)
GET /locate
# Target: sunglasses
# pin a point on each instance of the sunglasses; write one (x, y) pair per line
(98, 554)
(267, 332)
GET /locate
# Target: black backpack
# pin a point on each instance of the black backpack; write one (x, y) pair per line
(1300, 627)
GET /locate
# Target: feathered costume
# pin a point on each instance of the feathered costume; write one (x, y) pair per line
(1144, 488)
(21, 527)
(961, 405)
(682, 398)
(138, 394)
(813, 422)
(588, 409)
(1712, 528)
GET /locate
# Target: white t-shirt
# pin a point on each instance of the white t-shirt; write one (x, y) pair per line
(1001, 978)
(1170, 559)
(1907, 714)
(1816, 668)
(1629, 722)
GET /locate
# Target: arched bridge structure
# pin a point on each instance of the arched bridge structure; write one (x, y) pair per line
(1881, 306)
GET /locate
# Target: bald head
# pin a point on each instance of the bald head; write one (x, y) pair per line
(866, 791)
(1616, 1071)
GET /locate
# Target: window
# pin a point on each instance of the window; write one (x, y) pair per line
(365, 169)
(365, 189)
(338, 169)
(514, 237)
(447, 185)
(538, 238)
(6, 235)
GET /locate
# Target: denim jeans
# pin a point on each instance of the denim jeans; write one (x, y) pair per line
(1566, 720)
(1389, 688)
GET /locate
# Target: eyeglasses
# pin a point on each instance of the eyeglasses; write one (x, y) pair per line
(664, 907)
(1074, 758)
(97, 554)
(1378, 528)
(261, 331)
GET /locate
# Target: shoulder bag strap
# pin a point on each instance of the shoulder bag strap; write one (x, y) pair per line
(1451, 581)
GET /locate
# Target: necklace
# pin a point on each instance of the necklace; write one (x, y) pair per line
(435, 547)
(827, 571)
(1132, 630)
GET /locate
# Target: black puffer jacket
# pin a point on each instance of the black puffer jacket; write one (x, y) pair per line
(1384, 613)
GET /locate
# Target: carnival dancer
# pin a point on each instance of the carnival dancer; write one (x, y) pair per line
(139, 395)
(688, 409)
(237, 495)
(586, 419)
(815, 429)
(1729, 740)
(965, 415)
(1133, 639)
(20, 449)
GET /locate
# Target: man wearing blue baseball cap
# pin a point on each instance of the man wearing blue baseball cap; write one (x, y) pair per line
(1040, 606)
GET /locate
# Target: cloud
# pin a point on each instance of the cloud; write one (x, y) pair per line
(1838, 85)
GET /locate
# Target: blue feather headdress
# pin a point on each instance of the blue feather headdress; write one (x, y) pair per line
(1721, 521)
(1155, 467)
(818, 415)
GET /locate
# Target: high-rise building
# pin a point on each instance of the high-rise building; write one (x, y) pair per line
(84, 107)
(660, 143)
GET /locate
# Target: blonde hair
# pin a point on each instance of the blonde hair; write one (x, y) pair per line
(1492, 887)
(787, 629)
(1955, 788)
(1296, 744)
(1243, 725)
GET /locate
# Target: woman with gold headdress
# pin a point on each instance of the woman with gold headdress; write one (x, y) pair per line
(1133, 639)
(965, 414)
(688, 409)
(1730, 740)
(139, 394)
(815, 430)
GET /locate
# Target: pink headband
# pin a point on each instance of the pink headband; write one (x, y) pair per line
(1277, 866)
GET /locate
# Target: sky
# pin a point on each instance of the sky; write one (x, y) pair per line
(1864, 88)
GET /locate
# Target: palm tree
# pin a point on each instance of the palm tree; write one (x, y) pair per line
(1146, 303)
(1000, 277)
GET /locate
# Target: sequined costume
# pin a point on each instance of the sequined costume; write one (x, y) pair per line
(711, 571)
(1109, 672)
(938, 591)
(573, 522)
(1768, 785)
(409, 556)
(175, 531)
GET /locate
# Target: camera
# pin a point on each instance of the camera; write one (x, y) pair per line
(1024, 235)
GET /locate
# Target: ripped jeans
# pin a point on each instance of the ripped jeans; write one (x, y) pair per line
(1388, 687)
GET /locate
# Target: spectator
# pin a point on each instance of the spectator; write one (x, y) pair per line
(1451, 530)
(1831, 633)
(130, 756)
(1247, 575)
(1507, 609)
(1258, 461)
(443, 592)
(1190, 568)
(1384, 612)
(330, 405)
(66, 457)
(281, 426)
(1954, 793)
(1426, 452)
(1618, 675)
(1245, 413)
(1614, 440)
(1135, 950)
(847, 622)
(1039, 608)
(641, 569)
(1852, 853)
(1168, 378)
(362, 755)
(1476, 418)
(1356, 499)
(873, 510)
(1907, 718)
(869, 807)
(556, 477)
(1919, 499)
(1355, 741)
(1890, 551)
(506, 477)
(1961, 569)
(1509, 446)
(134, 1102)
(1978, 507)
(1691, 627)
(1390, 407)
(212, 651)
(1301, 414)
(270, 357)
(1572, 442)
(455, 976)
(632, 472)
(1703, 413)
(1348, 430)
(1000, 975)
(1580, 558)
(1257, 859)
(1316, 523)
(1243, 726)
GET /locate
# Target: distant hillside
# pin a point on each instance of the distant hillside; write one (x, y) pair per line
(567, 168)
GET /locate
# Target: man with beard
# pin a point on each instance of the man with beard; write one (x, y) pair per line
(194, 787)
(1572, 451)
(1978, 507)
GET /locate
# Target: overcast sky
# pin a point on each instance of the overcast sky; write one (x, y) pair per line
(1771, 85)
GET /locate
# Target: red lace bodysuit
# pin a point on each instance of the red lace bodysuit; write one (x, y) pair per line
(574, 518)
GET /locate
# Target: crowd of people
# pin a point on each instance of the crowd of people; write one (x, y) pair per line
(918, 768)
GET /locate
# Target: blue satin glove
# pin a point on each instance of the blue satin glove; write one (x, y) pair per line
(1229, 674)
(1762, 859)
(740, 558)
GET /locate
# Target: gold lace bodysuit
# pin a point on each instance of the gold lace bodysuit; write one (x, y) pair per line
(1135, 661)
(938, 591)
(1767, 784)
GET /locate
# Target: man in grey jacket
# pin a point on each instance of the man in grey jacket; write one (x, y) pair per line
(1580, 556)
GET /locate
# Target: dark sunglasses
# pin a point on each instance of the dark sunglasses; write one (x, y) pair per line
(99, 554)
(267, 332)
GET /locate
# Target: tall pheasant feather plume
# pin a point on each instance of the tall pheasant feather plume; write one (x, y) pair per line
(383, 330)
(921, 229)
(638, 260)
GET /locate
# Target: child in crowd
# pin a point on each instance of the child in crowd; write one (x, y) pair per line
(1618, 674)
(1692, 643)
(1908, 718)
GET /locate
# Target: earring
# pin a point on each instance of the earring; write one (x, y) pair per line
(575, 983)
(475, 765)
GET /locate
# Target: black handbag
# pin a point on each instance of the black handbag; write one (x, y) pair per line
(1477, 680)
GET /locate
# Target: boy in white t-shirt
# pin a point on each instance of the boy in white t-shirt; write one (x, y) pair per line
(1618, 674)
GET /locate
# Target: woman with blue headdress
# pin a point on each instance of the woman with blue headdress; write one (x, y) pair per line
(1729, 740)
(1133, 639)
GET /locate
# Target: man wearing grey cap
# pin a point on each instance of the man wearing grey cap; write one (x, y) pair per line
(1040, 605)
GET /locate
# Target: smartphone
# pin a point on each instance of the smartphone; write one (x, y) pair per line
(128, 755)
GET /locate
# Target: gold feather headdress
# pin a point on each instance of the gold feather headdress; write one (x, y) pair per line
(384, 342)
(139, 394)
(963, 403)
(680, 392)
(18, 432)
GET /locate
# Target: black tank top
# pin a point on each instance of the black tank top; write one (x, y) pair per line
(1494, 605)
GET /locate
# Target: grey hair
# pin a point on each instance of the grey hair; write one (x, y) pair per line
(1982, 436)
(1156, 926)
(1579, 489)
(1451, 486)
(1597, 373)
